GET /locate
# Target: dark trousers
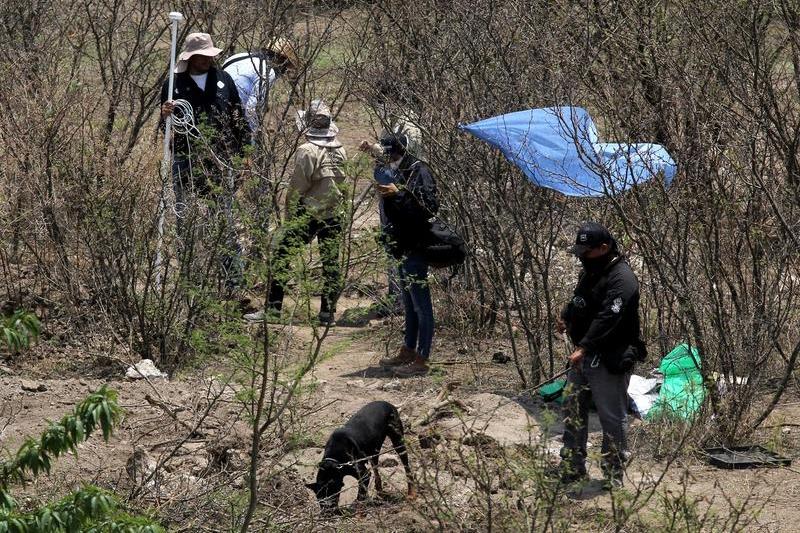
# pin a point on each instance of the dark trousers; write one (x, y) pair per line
(300, 231)
(417, 304)
(189, 186)
(610, 394)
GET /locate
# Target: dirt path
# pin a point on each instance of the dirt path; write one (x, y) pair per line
(348, 377)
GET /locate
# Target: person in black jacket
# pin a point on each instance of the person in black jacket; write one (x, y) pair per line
(205, 157)
(602, 320)
(410, 201)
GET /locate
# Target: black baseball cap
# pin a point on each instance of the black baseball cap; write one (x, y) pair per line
(590, 235)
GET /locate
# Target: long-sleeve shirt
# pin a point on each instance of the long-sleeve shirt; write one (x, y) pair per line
(254, 78)
(318, 172)
(218, 108)
(603, 315)
(410, 210)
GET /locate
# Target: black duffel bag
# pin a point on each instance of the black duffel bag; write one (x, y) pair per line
(442, 246)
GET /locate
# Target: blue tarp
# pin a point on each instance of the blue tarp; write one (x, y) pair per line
(558, 148)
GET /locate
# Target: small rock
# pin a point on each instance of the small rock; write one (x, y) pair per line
(195, 465)
(140, 465)
(144, 369)
(458, 469)
(388, 462)
(4, 370)
(356, 317)
(33, 386)
(355, 383)
(500, 357)
(192, 447)
(391, 385)
(786, 431)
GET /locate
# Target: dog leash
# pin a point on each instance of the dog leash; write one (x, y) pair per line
(529, 390)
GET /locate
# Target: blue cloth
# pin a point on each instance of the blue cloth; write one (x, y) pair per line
(558, 148)
(384, 174)
(417, 304)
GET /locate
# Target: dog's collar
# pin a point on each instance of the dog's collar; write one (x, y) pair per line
(333, 462)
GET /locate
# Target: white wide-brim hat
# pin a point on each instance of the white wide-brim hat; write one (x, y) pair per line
(319, 136)
(196, 44)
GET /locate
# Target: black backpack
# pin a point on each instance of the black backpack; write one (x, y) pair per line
(443, 247)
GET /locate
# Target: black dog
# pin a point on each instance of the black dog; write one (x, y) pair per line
(350, 447)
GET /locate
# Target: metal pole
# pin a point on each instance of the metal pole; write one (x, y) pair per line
(166, 162)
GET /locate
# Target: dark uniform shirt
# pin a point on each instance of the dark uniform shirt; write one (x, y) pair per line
(218, 114)
(410, 210)
(603, 315)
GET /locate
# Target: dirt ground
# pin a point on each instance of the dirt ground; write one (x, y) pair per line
(185, 454)
(160, 416)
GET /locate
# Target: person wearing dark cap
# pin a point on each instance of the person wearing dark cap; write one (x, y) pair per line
(602, 320)
(410, 200)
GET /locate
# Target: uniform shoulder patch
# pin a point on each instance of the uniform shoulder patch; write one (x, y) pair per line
(616, 305)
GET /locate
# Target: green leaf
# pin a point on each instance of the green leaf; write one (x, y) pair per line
(6, 500)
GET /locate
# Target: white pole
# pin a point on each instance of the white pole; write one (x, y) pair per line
(166, 162)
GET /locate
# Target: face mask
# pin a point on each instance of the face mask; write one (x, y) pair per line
(594, 264)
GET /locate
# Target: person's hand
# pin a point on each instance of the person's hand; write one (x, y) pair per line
(561, 326)
(576, 358)
(387, 191)
(167, 108)
(364, 146)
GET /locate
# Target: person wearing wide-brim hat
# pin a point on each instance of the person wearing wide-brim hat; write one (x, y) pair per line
(315, 205)
(203, 163)
(256, 72)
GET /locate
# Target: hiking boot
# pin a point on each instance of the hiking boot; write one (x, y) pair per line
(566, 474)
(419, 367)
(405, 356)
(326, 318)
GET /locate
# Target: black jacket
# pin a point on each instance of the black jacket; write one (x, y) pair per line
(218, 108)
(410, 210)
(603, 315)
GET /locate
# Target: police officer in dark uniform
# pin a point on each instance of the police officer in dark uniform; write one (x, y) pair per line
(602, 320)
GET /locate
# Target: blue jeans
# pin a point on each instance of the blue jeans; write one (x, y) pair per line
(417, 304)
